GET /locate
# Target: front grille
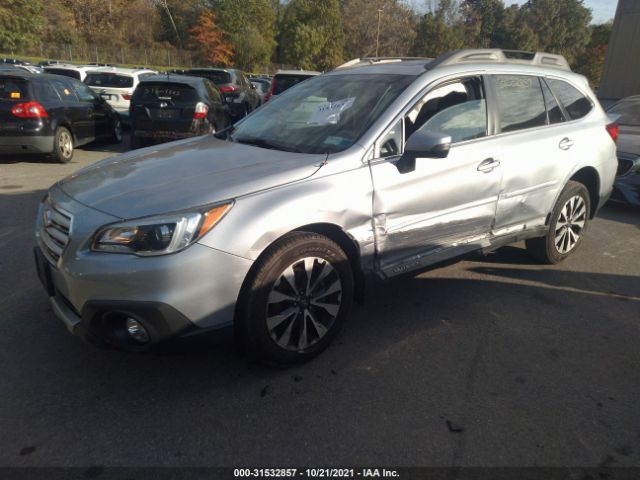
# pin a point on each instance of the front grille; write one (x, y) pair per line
(56, 226)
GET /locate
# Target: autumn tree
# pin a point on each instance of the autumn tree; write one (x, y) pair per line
(210, 42)
(251, 27)
(590, 62)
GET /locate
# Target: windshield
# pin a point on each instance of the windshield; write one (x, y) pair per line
(325, 114)
(217, 77)
(629, 111)
(109, 80)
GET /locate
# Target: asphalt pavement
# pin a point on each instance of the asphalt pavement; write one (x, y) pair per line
(494, 361)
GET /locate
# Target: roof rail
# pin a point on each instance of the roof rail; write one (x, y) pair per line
(496, 55)
(360, 62)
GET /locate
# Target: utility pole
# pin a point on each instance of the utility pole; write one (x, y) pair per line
(378, 34)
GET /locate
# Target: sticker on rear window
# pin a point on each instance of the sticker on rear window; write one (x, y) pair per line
(15, 95)
(329, 112)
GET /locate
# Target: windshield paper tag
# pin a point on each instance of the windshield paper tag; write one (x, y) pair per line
(329, 112)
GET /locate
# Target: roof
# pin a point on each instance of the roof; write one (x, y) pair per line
(122, 70)
(486, 56)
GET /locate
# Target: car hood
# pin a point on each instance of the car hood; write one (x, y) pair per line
(184, 174)
(629, 140)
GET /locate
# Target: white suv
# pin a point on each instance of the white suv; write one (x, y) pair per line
(116, 85)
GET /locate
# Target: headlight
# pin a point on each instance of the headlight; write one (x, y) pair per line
(158, 235)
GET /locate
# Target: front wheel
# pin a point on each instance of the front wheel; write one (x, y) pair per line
(566, 226)
(296, 300)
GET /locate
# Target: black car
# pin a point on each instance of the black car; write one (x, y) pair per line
(235, 86)
(49, 114)
(169, 107)
(627, 185)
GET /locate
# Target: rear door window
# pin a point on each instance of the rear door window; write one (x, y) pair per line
(13, 89)
(84, 93)
(574, 102)
(167, 92)
(109, 80)
(520, 102)
(64, 90)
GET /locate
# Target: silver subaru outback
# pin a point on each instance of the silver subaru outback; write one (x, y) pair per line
(273, 226)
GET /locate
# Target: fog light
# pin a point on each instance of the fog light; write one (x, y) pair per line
(137, 331)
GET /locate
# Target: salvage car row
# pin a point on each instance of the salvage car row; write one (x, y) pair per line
(71, 105)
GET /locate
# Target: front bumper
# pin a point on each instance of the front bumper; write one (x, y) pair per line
(192, 291)
(26, 144)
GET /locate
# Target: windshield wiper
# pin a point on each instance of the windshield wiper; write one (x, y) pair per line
(262, 143)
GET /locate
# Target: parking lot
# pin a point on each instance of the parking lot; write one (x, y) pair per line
(494, 361)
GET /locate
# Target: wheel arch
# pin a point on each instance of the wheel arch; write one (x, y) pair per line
(589, 177)
(330, 230)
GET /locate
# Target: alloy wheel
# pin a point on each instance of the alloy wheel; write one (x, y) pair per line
(303, 303)
(65, 144)
(570, 224)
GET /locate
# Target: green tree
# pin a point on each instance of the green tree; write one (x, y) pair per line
(561, 26)
(251, 27)
(482, 18)
(440, 30)
(311, 34)
(20, 24)
(360, 22)
(512, 33)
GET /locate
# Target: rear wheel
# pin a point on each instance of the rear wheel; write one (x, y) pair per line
(63, 145)
(568, 222)
(296, 300)
(116, 134)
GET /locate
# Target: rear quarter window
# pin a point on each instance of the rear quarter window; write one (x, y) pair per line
(575, 103)
(13, 89)
(156, 92)
(45, 92)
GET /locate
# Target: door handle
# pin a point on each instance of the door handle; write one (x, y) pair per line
(565, 144)
(488, 165)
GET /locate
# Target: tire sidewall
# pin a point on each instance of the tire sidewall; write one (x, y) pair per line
(59, 156)
(256, 331)
(572, 189)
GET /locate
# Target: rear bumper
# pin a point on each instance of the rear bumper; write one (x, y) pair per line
(26, 144)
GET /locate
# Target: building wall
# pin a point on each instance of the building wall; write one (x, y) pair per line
(621, 74)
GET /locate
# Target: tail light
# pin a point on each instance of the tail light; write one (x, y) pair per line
(228, 89)
(270, 94)
(613, 130)
(29, 110)
(201, 110)
(126, 96)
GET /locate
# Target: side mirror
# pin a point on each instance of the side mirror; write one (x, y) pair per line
(421, 144)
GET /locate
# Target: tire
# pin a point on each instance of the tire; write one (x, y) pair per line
(281, 321)
(63, 147)
(116, 134)
(567, 224)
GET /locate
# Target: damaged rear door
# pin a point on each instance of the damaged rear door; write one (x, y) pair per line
(444, 206)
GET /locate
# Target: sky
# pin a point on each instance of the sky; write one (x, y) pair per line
(602, 10)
